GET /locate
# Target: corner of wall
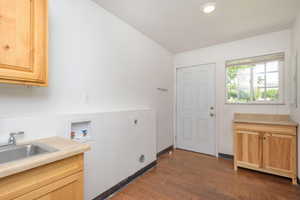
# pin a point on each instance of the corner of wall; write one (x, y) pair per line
(295, 49)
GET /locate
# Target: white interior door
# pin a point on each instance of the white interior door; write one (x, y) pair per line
(196, 108)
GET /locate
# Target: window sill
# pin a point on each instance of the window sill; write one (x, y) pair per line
(263, 104)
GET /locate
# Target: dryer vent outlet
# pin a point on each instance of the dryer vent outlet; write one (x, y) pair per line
(142, 158)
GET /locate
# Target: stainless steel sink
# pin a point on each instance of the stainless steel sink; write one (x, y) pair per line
(16, 152)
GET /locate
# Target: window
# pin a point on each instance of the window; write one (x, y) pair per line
(255, 80)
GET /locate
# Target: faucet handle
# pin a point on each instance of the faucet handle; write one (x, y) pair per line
(12, 139)
(17, 133)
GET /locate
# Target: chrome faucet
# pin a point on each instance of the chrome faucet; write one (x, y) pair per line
(12, 139)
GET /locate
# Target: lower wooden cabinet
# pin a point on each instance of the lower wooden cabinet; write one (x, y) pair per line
(266, 148)
(61, 180)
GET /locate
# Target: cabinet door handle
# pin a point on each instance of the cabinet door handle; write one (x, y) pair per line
(7, 47)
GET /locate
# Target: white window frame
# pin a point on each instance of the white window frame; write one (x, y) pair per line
(281, 92)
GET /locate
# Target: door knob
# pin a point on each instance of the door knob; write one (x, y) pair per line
(212, 114)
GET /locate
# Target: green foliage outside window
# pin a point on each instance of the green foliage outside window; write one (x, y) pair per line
(253, 90)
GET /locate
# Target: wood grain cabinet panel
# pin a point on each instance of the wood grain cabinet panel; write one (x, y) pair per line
(58, 180)
(249, 148)
(69, 188)
(266, 150)
(24, 42)
(278, 152)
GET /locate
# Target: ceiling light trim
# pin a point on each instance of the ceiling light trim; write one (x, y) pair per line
(209, 7)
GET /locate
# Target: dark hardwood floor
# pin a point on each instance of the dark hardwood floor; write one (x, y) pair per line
(191, 176)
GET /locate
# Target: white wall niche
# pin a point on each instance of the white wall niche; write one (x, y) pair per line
(80, 131)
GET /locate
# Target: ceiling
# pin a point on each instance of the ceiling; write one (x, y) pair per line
(180, 25)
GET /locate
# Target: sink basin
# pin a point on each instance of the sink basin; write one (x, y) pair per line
(17, 152)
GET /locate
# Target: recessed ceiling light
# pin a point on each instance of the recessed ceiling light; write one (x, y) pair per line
(209, 7)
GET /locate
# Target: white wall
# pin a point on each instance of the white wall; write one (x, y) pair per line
(116, 142)
(97, 62)
(260, 45)
(117, 145)
(296, 48)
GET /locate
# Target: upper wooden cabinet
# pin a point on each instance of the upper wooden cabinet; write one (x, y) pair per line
(24, 42)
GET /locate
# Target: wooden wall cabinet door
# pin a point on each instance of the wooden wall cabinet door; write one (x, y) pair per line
(248, 148)
(279, 153)
(24, 42)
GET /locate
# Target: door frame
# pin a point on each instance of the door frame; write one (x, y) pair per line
(176, 68)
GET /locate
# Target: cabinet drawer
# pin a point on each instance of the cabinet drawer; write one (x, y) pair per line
(19, 184)
(69, 188)
(286, 130)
